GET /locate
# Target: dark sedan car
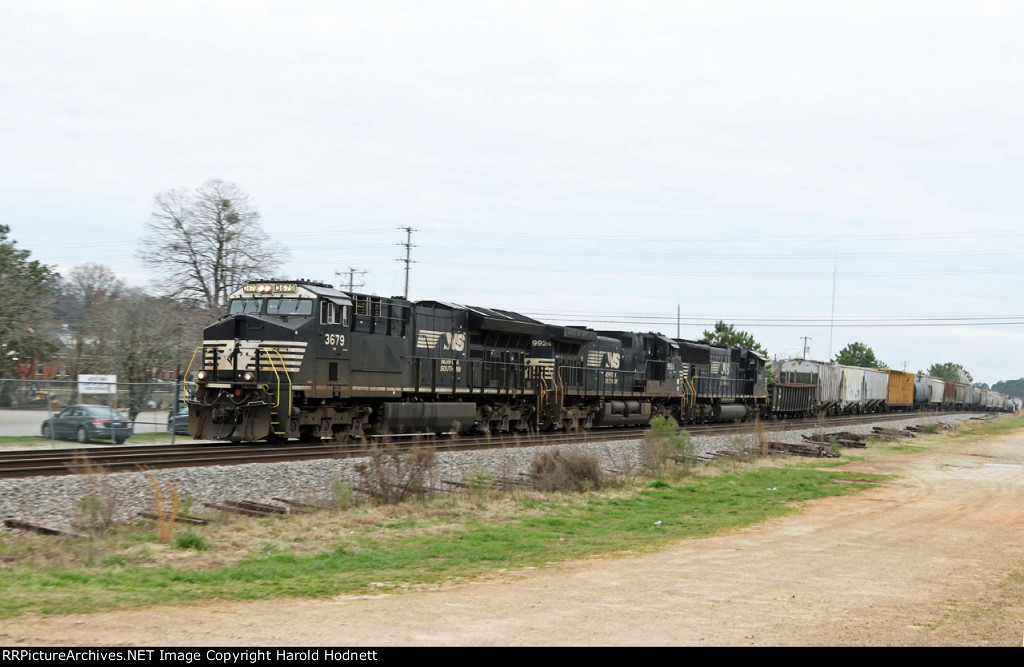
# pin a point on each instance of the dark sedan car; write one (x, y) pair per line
(85, 422)
(177, 420)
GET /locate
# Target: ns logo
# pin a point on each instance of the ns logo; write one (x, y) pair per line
(454, 342)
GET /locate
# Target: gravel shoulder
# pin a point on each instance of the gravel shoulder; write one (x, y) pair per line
(884, 567)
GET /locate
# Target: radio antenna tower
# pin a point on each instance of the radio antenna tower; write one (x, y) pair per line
(408, 251)
(351, 277)
(832, 319)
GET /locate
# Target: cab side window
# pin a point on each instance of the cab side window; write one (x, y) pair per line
(333, 313)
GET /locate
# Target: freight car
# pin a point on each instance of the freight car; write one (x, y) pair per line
(808, 388)
(301, 359)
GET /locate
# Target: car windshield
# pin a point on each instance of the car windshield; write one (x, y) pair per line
(103, 412)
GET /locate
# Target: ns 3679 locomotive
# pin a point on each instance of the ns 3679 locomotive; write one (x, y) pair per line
(300, 359)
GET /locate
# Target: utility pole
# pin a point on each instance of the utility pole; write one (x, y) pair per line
(678, 324)
(408, 251)
(805, 339)
(351, 279)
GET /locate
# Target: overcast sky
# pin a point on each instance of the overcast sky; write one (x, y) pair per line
(844, 171)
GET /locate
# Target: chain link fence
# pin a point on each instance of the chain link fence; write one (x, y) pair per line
(147, 404)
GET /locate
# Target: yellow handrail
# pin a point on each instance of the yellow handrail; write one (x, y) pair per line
(559, 385)
(184, 385)
(277, 376)
(542, 388)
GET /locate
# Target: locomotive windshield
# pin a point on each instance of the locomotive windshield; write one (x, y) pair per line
(278, 307)
(289, 306)
(245, 307)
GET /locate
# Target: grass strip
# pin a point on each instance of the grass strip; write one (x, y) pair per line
(16, 441)
(407, 554)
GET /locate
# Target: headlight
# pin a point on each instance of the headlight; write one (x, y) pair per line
(201, 376)
(248, 376)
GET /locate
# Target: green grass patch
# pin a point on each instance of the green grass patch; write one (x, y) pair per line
(14, 442)
(903, 448)
(995, 427)
(432, 548)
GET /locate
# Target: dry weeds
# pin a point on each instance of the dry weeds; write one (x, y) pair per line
(566, 471)
(390, 475)
(166, 506)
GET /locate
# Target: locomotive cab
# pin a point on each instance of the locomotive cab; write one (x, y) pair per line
(254, 363)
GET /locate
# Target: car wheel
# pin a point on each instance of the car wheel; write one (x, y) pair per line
(46, 430)
(83, 437)
(120, 440)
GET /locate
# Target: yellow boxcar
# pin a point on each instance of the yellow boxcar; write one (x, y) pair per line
(901, 390)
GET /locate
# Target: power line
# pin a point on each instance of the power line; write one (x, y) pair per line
(781, 323)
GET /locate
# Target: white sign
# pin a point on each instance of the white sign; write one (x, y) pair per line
(97, 384)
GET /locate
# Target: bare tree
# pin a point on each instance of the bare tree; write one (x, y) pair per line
(93, 284)
(207, 241)
(90, 290)
(143, 336)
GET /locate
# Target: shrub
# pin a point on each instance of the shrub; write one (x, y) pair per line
(481, 481)
(391, 476)
(97, 514)
(568, 471)
(191, 541)
(664, 442)
(342, 494)
(97, 506)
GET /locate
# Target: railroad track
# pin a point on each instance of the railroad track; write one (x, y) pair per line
(72, 461)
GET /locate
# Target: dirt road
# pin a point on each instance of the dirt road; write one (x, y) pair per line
(883, 567)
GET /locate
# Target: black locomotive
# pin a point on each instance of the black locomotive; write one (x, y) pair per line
(300, 359)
